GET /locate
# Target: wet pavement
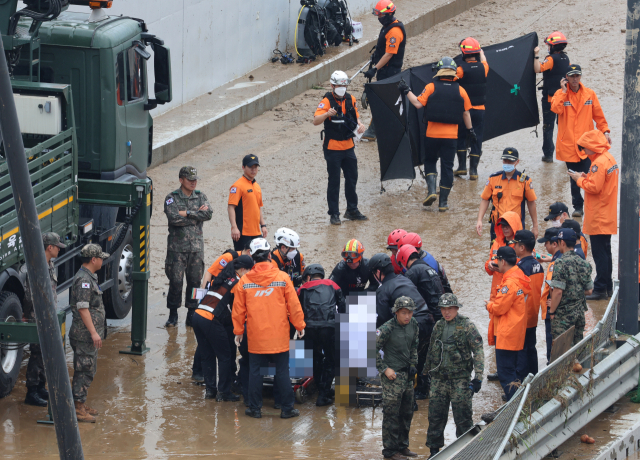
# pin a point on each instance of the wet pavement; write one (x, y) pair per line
(149, 406)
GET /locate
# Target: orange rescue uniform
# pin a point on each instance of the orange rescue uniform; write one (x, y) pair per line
(515, 192)
(460, 74)
(545, 65)
(218, 265)
(394, 37)
(325, 106)
(442, 130)
(246, 196)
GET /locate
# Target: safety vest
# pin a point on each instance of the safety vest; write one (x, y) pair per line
(219, 301)
(292, 267)
(381, 47)
(445, 104)
(551, 78)
(340, 127)
(474, 82)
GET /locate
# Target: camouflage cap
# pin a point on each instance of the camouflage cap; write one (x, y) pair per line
(404, 302)
(189, 173)
(93, 250)
(52, 239)
(449, 300)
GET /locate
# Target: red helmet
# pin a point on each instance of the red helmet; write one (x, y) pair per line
(394, 238)
(353, 251)
(403, 254)
(413, 239)
(384, 7)
(555, 38)
(470, 46)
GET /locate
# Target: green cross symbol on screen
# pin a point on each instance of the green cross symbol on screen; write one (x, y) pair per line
(515, 89)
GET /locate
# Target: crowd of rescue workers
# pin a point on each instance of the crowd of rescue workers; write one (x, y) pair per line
(255, 297)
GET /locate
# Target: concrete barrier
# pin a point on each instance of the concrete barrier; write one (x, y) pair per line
(201, 132)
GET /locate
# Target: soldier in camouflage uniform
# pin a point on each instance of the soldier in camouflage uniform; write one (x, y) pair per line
(186, 209)
(88, 328)
(455, 350)
(37, 394)
(398, 341)
(570, 284)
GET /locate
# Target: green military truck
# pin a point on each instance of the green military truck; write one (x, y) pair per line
(80, 86)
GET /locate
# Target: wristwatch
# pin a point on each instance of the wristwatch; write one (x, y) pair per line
(188, 213)
(262, 226)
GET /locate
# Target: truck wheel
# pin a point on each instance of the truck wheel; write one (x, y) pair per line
(10, 353)
(118, 299)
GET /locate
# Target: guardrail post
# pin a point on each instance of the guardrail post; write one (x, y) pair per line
(629, 182)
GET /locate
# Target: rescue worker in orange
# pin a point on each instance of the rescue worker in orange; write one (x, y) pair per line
(508, 190)
(447, 107)
(550, 240)
(339, 114)
(245, 206)
(286, 256)
(578, 108)
(524, 245)
(388, 56)
(472, 76)
(553, 69)
(601, 206)
(508, 311)
(266, 300)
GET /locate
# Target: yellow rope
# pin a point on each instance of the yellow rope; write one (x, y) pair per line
(295, 35)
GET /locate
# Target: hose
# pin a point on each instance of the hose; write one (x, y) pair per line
(295, 35)
(127, 223)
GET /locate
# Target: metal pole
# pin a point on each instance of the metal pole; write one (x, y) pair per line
(629, 177)
(55, 365)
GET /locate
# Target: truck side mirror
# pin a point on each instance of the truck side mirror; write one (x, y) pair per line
(162, 70)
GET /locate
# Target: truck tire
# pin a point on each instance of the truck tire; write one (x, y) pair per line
(10, 354)
(118, 299)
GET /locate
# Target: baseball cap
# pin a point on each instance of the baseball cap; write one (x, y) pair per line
(243, 262)
(189, 173)
(508, 254)
(93, 250)
(550, 234)
(524, 237)
(556, 209)
(403, 302)
(449, 300)
(510, 153)
(250, 160)
(572, 224)
(53, 239)
(567, 234)
(574, 69)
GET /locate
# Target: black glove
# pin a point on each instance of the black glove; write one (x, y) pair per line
(476, 384)
(412, 373)
(370, 73)
(403, 87)
(471, 136)
(297, 280)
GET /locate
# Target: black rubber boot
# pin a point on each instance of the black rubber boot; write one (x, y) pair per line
(462, 163)
(597, 295)
(197, 377)
(210, 393)
(323, 400)
(547, 159)
(44, 394)
(190, 312)
(34, 399)
(253, 413)
(474, 160)
(433, 452)
(370, 133)
(443, 206)
(291, 413)
(227, 397)
(173, 318)
(431, 189)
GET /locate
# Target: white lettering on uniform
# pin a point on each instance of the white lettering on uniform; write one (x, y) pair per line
(263, 292)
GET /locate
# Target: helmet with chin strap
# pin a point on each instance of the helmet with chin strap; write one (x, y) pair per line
(339, 78)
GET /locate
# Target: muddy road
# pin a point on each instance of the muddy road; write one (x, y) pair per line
(150, 408)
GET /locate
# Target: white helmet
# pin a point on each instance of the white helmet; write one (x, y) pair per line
(259, 244)
(339, 78)
(287, 237)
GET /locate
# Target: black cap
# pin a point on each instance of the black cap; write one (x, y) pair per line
(243, 261)
(550, 234)
(525, 237)
(573, 225)
(510, 153)
(507, 254)
(567, 234)
(250, 160)
(556, 209)
(574, 69)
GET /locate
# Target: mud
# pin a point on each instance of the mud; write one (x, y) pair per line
(150, 408)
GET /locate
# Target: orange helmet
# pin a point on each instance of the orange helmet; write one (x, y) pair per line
(403, 254)
(555, 38)
(384, 7)
(353, 251)
(470, 46)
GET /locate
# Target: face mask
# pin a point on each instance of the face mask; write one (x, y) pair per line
(386, 19)
(508, 168)
(340, 91)
(292, 254)
(556, 223)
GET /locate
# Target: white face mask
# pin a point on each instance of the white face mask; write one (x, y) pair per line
(292, 254)
(556, 223)
(340, 91)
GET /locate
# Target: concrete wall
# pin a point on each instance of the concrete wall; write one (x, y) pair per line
(214, 42)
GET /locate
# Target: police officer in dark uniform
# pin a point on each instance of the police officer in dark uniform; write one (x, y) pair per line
(352, 273)
(388, 56)
(554, 68)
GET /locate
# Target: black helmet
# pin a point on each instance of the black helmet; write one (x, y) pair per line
(379, 261)
(446, 63)
(313, 269)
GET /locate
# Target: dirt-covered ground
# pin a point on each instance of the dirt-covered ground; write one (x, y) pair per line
(151, 410)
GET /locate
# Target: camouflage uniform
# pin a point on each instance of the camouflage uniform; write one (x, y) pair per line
(400, 347)
(572, 274)
(455, 350)
(185, 243)
(35, 367)
(85, 293)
